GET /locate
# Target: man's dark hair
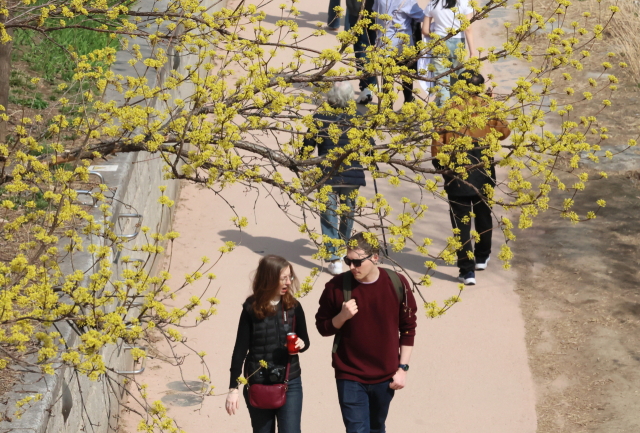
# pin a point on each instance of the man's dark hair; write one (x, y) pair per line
(472, 78)
(365, 241)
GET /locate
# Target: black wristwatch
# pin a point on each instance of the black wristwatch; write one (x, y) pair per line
(405, 367)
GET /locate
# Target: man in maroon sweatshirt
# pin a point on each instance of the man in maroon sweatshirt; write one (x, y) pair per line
(377, 332)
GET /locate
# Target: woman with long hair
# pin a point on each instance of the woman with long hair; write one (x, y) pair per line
(439, 18)
(268, 315)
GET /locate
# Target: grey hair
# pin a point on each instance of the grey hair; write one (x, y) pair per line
(340, 94)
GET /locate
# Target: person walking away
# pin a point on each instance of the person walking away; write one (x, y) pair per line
(268, 315)
(466, 197)
(404, 13)
(366, 39)
(373, 314)
(333, 22)
(440, 19)
(345, 181)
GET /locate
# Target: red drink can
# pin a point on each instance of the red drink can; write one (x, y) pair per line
(292, 337)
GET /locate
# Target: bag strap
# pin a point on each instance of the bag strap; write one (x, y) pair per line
(286, 377)
(346, 293)
(397, 283)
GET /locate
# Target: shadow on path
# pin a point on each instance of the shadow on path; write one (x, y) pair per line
(290, 250)
(294, 251)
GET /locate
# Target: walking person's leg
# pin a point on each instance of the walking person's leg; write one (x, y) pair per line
(380, 396)
(407, 91)
(262, 420)
(330, 224)
(332, 19)
(354, 405)
(290, 415)
(346, 219)
(438, 63)
(459, 208)
(367, 38)
(484, 226)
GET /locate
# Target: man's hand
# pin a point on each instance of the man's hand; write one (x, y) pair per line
(299, 344)
(399, 380)
(349, 309)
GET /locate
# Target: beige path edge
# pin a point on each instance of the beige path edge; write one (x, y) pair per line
(469, 370)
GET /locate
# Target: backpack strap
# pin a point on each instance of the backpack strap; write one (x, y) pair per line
(346, 293)
(397, 283)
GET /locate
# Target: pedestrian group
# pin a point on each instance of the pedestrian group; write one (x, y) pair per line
(368, 310)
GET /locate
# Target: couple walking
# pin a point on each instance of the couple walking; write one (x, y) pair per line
(370, 312)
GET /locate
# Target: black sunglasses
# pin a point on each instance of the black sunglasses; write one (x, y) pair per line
(356, 262)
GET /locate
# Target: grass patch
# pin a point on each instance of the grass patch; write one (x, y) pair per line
(47, 55)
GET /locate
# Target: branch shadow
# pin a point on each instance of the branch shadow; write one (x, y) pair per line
(415, 263)
(292, 251)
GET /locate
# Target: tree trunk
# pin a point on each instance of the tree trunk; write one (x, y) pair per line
(5, 74)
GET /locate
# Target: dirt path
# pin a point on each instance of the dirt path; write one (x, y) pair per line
(469, 370)
(580, 297)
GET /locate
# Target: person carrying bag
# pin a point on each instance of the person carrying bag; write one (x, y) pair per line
(267, 347)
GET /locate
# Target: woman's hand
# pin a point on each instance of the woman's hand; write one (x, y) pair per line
(232, 404)
(300, 344)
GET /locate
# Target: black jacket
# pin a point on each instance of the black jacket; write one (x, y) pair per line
(478, 177)
(266, 340)
(347, 174)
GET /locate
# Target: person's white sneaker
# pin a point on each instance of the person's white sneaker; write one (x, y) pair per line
(335, 268)
(365, 97)
(482, 266)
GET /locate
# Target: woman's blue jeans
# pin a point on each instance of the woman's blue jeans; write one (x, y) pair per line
(338, 226)
(288, 416)
(438, 62)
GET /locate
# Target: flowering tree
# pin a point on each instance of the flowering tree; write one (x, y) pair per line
(243, 121)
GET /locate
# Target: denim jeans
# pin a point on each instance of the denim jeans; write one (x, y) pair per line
(364, 407)
(438, 63)
(461, 207)
(288, 416)
(338, 226)
(364, 40)
(332, 20)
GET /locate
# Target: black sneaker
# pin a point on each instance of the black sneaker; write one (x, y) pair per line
(481, 265)
(469, 279)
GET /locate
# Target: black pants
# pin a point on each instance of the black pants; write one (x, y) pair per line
(367, 38)
(459, 207)
(407, 88)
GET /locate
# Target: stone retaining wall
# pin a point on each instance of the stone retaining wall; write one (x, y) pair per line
(135, 178)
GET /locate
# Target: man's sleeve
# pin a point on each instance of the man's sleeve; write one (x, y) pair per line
(327, 311)
(416, 13)
(501, 127)
(408, 318)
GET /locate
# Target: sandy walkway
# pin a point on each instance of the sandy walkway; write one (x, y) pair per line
(469, 371)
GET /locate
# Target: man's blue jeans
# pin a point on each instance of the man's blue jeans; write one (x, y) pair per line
(338, 226)
(364, 407)
(332, 20)
(288, 416)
